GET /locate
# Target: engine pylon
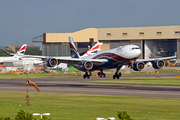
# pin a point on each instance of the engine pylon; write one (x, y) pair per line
(32, 83)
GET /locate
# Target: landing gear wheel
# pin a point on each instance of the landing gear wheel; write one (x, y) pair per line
(117, 70)
(114, 77)
(101, 74)
(104, 75)
(119, 74)
(84, 76)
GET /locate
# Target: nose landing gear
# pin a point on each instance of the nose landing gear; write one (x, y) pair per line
(116, 74)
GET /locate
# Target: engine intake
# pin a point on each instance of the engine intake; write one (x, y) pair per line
(51, 62)
(158, 64)
(87, 65)
(138, 66)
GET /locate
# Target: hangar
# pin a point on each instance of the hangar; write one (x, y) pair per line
(154, 41)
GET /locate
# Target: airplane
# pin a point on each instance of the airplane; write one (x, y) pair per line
(113, 58)
(16, 56)
(110, 59)
(40, 59)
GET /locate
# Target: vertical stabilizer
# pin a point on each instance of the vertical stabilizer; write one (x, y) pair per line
(94, 50)
(73, 50)
(22, 50)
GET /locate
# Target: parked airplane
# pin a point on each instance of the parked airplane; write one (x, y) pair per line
(114, 58)
(40, 59)
(16, 56)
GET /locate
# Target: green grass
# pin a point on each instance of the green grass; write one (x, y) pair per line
(34, 75)
(143, 80)
(71, 74)
(88, 107)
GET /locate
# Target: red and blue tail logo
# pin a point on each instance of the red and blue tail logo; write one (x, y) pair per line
(94, 50)
(73, 50)
(22, 50)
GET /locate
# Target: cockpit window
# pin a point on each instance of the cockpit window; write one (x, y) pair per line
(135, 48)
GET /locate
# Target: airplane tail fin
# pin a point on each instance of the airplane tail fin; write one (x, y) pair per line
(73, 50)
(22, 50)
(95, 49)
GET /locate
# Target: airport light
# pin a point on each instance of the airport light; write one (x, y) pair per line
(36, 114)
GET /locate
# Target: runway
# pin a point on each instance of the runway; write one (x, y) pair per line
(78, 85)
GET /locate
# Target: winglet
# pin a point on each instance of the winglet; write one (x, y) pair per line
(22, 50)
(73, 50)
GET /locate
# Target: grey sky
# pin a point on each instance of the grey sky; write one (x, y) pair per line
(21, 20)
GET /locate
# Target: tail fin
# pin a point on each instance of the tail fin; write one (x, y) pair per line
(73, 50)
(95, 49)
(22, 50)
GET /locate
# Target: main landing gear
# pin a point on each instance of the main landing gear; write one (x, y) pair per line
(117, 75)
(87, 75)
(101, 74)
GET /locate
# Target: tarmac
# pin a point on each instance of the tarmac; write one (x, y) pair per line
(78, 85)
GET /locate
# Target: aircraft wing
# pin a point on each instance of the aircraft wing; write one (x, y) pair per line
(154, 59)
(70, 60)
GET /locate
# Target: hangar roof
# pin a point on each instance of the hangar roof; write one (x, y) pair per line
(80, 36)
(121, 33)
(131, 33)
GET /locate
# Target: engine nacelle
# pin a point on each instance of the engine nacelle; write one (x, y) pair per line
(87, 65)
(51, 62)
(138, 66)
(158, 64)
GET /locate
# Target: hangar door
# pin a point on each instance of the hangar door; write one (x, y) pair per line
(160, 48)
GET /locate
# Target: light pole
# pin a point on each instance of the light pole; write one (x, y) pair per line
(35, 114)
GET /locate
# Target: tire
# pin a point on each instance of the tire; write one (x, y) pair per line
(104, 76)
(84, 76)
(119, 74)
(98, 73)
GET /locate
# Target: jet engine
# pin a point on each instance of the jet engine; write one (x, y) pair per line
(87, 65)
(51, 62)
(158, 64)
(138, 66)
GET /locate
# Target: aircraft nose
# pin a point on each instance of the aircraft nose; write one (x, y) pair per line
(138, 52)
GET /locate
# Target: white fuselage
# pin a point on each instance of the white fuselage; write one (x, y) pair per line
(117, 56)
(7, 59)
(126, 52)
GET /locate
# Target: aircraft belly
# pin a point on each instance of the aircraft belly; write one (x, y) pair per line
(112, 63)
